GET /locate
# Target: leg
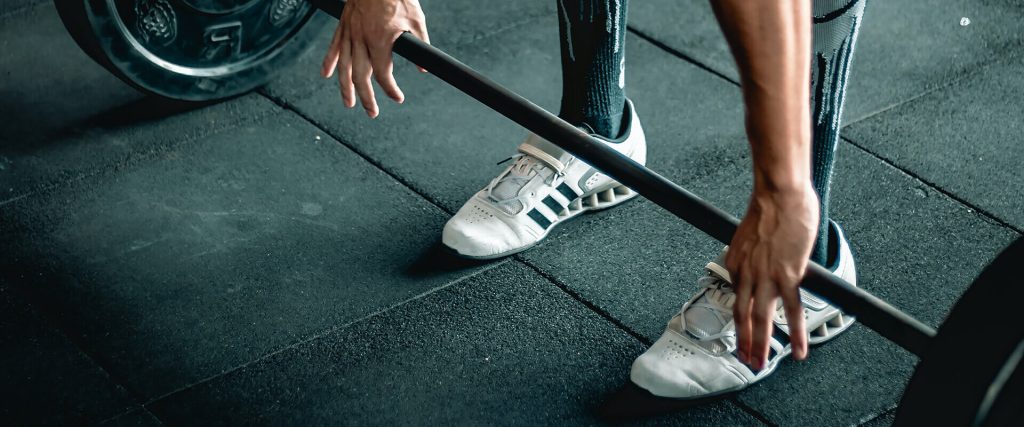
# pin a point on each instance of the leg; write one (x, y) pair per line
(545, 185)
(836, 23)
(593, 63)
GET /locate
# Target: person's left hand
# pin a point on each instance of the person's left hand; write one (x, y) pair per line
(767, 259)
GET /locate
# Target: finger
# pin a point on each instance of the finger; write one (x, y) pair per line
(764, 308)
(345, 70)
(741, 313)
(795, 319)
(333, 53)
(419, 29)
(361, 74)
(383, 72)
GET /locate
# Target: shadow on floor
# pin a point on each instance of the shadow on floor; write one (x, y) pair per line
(631, 403)
(29, 131)
(439, 259)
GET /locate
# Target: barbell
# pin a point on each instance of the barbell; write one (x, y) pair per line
(970, 372)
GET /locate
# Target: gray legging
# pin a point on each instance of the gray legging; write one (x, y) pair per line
(836, 24)
(593, 65)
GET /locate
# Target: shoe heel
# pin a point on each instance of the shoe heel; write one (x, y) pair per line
(832, 327)
(609, 197)
(623, 191)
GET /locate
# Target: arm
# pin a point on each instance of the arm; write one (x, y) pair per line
(361, 48)
(771, 42)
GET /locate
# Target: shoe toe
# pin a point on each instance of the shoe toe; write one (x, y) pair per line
(479, 236)
(676, 367)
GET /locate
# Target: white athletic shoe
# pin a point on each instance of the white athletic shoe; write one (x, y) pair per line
(542, 188)
(695, 356)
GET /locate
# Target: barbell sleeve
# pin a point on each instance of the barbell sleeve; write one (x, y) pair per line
(899, 327)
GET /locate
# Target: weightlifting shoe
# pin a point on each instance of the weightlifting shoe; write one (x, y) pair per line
(696, 355)
(543, 187)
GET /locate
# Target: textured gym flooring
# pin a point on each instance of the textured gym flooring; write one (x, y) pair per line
(275, 259)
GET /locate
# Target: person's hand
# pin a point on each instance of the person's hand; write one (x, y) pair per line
(767, 259)
(362, 45)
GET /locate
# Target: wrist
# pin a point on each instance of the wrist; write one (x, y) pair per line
(795, 197)
(781, 150)
(782, 179)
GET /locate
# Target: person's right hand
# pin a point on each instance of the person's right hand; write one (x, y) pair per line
(362, 45)
(767, 259)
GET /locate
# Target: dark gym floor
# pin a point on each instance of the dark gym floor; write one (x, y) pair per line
(274, 259)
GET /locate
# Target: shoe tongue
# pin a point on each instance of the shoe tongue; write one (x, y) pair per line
(524, 169)
(521, 172)
(701, 320)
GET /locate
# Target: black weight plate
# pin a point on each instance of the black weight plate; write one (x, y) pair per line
(193, 50)
(971, 373)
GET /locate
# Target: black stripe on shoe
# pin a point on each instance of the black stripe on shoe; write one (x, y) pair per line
(567, 191)
(554, 205)
(779, 335)
(539, 218)
(771, 355)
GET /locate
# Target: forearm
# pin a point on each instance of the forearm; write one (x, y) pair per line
(771, 42)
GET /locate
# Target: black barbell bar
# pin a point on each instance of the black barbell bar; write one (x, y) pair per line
(895, 325)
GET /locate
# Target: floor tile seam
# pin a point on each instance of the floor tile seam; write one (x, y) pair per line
(329, 331)
(133, 410)
(608, 317)
(963, 77)
(565, 288)
(884, 412)
(132, 159)
(44, 316)
(709, 68)
(306, 92)
(750, 410)
(984, 213)
(407, 184)
(898, 104)
(680, 54)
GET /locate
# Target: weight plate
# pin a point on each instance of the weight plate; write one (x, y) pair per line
(193, 50)
(971, 374)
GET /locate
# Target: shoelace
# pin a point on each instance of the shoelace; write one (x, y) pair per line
(518, 174)
(721, 296)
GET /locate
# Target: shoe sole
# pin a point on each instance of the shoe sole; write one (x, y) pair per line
(612, 196)
(832, 321)
(836, 324)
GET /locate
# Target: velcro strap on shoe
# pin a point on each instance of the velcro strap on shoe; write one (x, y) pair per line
(541, 155)
(549, 154)
(812, 301)
(719, 270)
